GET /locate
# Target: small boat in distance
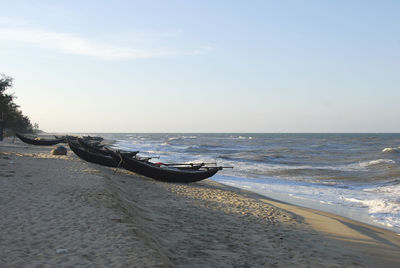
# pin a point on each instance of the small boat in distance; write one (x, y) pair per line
(40, 141)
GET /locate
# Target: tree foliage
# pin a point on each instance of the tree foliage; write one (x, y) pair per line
(12, 116)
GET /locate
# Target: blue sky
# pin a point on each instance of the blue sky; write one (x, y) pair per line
(204, 66)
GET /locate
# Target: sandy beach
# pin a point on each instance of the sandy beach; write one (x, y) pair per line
(59, 211)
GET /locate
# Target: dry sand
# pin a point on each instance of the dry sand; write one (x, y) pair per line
(59, 211)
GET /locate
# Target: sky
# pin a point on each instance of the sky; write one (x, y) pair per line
(204, 66)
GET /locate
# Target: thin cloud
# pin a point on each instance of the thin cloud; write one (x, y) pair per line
(5, 21)
(72, 44)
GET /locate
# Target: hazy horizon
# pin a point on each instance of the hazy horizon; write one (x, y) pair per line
(204, 67)
(236, 133)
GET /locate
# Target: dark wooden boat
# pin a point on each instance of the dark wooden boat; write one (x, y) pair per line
(92, 147)
(92, 157)
(42, 142)
(166, 174)
(97, 139)
(99, 148)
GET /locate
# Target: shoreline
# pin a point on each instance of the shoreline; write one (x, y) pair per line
(129, 220)
(356, 214)
(359, 236)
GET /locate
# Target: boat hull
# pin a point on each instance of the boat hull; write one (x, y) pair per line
(163, 174)
(96, 158)
(41, 142)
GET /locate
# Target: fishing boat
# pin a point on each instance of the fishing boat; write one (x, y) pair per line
(92, 146)
(91, 156)
(164, 172)
(93, 138)
(40, 141)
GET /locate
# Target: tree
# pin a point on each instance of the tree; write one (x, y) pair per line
(12, 116)
(36, 129)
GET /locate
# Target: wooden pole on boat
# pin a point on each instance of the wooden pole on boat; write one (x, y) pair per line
(119, 164)
(187, 164)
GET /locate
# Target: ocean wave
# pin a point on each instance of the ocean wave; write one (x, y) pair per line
(390, 187)
(384, 211)
(391, 150)
(181, 138)
(377, 205)
(354, 172)
(376, 162)
(196, 149)
(189, 137)
(261, 170)
(251, 156)
(204, 148)
(239, 138)
(172, 141)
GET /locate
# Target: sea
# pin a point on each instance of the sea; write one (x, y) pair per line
(352, 175)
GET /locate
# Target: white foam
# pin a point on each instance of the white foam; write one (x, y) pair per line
(391, 150)
(384, 211)
(367, 205)
(376, 162)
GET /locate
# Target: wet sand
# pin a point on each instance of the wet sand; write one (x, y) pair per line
(59, 211)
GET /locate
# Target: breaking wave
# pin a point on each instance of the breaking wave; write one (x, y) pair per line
(376, 162)
(391, 150)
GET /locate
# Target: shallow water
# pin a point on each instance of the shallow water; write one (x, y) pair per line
(354, 175)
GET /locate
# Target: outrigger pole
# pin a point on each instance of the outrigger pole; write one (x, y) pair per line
(185, 164)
